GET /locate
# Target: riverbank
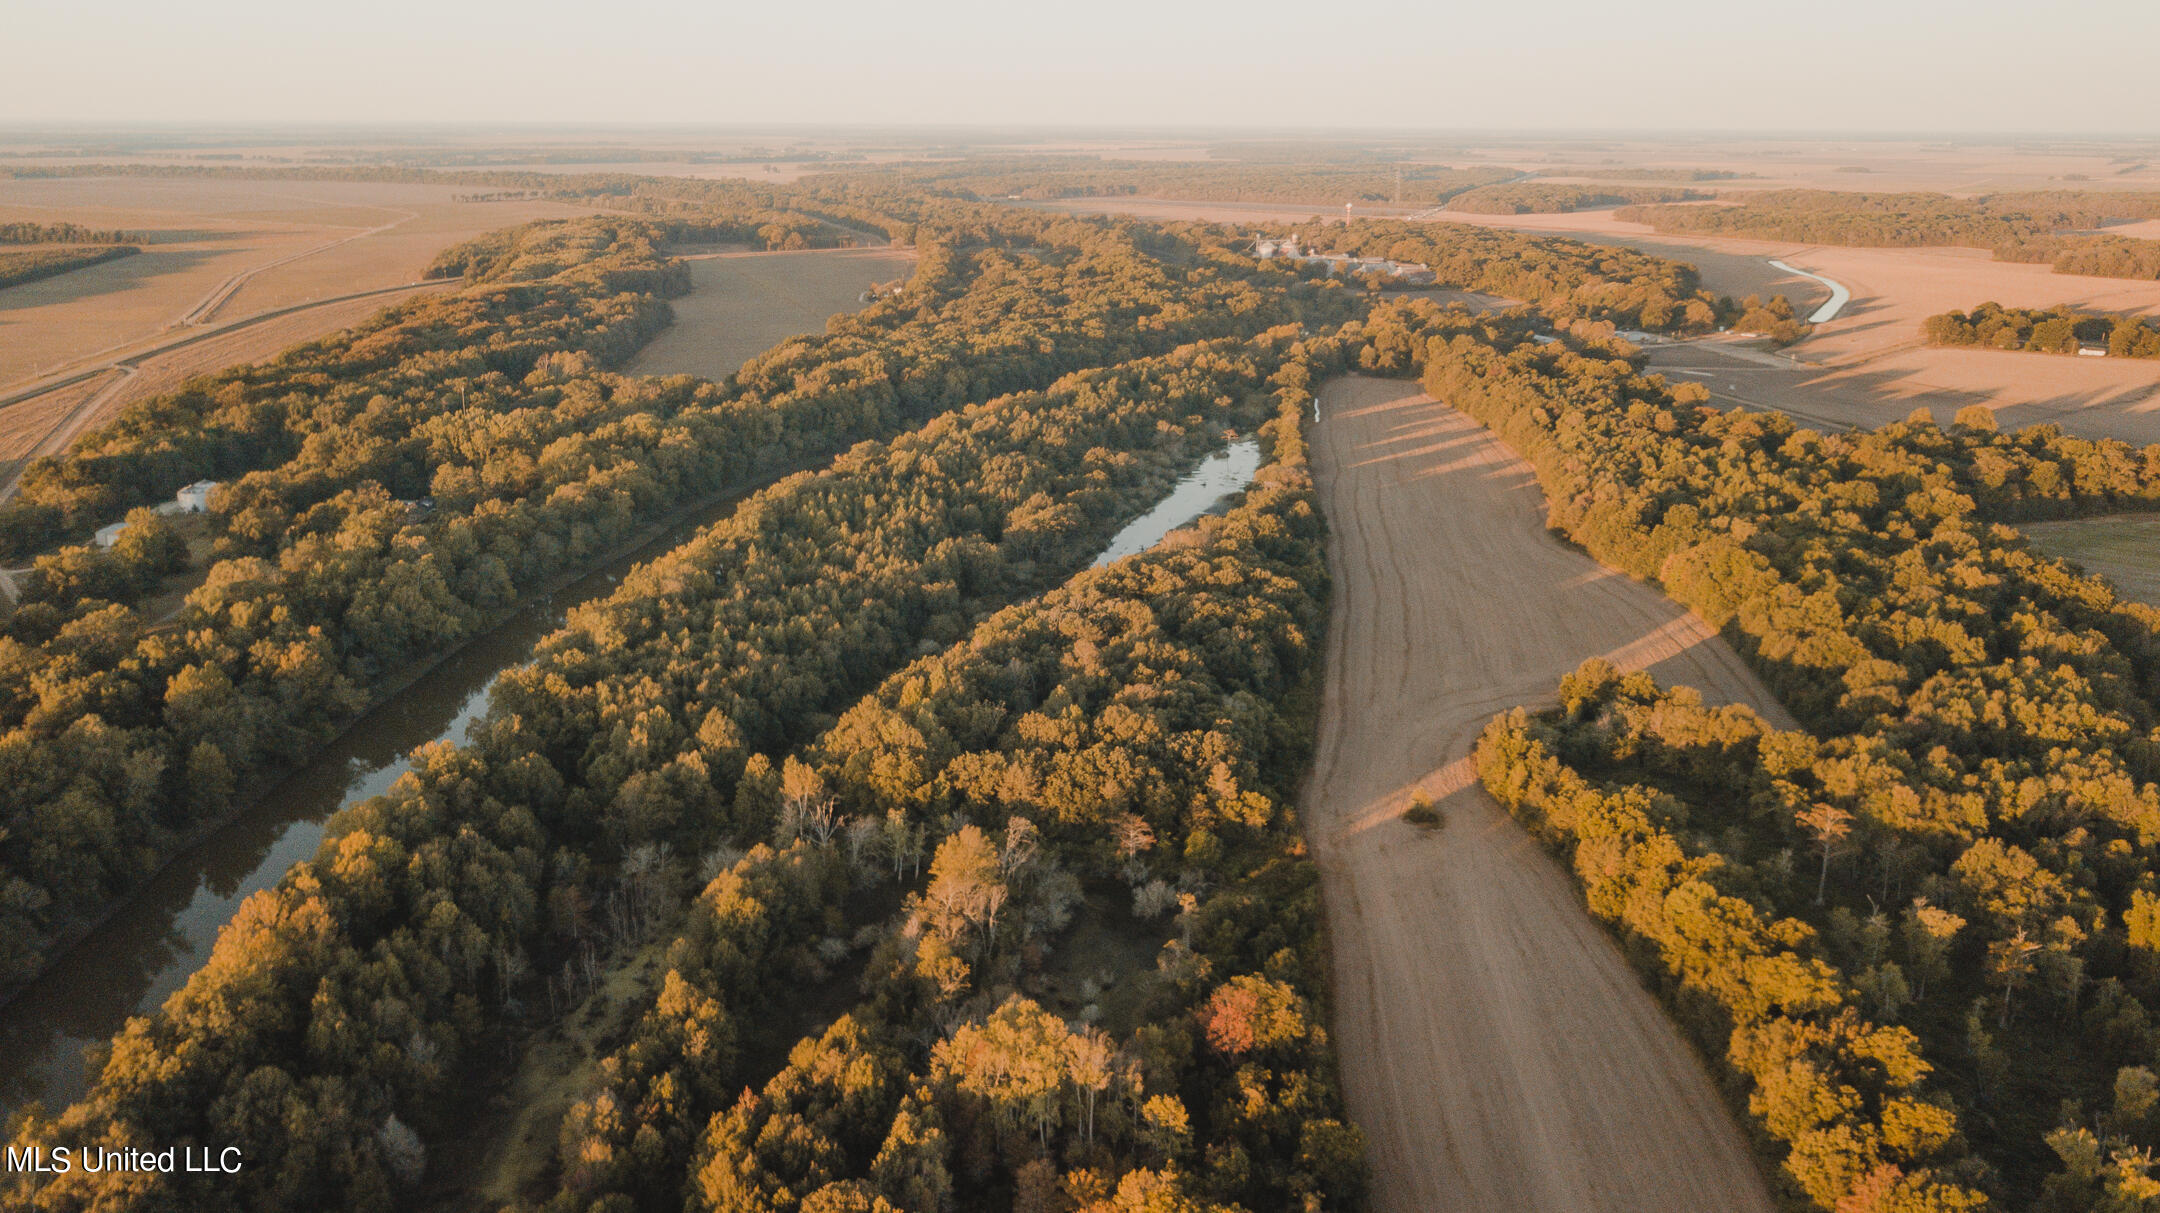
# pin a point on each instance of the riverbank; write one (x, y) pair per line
(141, 947)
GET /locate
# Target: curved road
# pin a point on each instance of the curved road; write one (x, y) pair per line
(1496, 1048)
(65, 431)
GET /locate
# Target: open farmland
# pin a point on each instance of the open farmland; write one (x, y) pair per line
(272, 263)
(741, 304)
(1868, 366)
(202, 233)
(1496, 1048)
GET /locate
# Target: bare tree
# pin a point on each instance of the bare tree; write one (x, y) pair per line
(1829, 825)
(1090, 1061)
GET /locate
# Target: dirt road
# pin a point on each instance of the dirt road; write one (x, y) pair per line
(70, 425)
(1497, 1050)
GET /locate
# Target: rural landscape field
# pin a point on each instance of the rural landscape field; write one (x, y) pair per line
(664, 613)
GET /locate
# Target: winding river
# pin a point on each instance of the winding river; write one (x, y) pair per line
(1839, 296)
(153, 942)
(1197, 492)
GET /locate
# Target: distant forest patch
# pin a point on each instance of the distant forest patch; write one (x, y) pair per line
(1551, 198)
(2060, 330)
(30, 265)
(1044, 178)
(59, 233)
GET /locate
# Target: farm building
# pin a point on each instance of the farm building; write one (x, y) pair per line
(1340, 263)
(195, 498)
(2091, 349)
(109, 534)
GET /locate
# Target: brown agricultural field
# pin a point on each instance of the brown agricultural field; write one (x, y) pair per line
(1868, 366)
(262, 265)
(1497, 1049)
(741, 304)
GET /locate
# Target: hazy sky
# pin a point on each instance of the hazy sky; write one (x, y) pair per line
(1888, 65)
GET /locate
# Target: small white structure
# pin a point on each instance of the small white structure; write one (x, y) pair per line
(109, 534)
(195, 498)
(2091, 349)
(1340, 263)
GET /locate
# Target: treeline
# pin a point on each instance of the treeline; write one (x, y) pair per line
(1963, 842)
(1551, 197)
(2057, 330)
(2096, 256)
(116, 743)
(32, 265)
(1568, 280)
(2046, 226)
(1119, 754)
(343, 1012)
(1041, 178)
(60, 233)
(1840, 1095)
(1658, 174)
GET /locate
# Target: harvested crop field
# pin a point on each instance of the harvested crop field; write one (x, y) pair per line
(2124, 548)
(232, 247)
(2090, 397)
(742, 304)
(232, 271)
(1496, 1048)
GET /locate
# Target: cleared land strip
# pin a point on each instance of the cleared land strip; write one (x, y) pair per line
(1496, 1048)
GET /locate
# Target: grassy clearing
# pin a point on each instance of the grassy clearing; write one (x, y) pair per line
(2125, 549)
(741, 305)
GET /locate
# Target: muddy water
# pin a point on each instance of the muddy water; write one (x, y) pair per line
(1225, 472)
(153, 943)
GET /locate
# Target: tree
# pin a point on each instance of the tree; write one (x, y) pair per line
(1829, 826)
(402, 1152)
(1090, 1059)
(1250, 1013)
(2011, 961)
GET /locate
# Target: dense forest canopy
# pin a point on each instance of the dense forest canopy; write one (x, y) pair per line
(497, 403)
(965, 878)
(1179, 676)
(1552, 197)
(632, 738)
